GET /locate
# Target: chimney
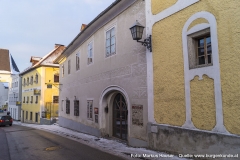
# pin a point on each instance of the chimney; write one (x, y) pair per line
(83, 27)
(57, 45)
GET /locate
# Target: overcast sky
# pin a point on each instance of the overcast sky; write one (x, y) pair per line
(32, 27)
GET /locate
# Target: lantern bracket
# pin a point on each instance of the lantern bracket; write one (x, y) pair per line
(147, 43)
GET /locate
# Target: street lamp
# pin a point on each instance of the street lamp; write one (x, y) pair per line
(137, 31)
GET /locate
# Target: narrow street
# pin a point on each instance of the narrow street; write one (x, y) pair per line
(23, 143)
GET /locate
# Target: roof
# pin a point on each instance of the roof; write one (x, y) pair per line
(4, 60)
(47, 60)
(116, 8)
(7, 62)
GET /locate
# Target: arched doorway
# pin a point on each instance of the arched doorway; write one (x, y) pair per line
(120, 117)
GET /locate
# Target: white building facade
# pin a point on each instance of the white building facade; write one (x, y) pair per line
(8, 68)
(15, 97)
(103, 77)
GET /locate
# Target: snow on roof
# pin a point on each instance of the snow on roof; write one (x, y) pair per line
(44, 57)
(35, 58)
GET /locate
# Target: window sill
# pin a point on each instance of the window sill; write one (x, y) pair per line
(201, 66)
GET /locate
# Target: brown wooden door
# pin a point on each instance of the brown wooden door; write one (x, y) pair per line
(120, 114)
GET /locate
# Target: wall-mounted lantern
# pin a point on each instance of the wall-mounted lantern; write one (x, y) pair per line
(137, 31)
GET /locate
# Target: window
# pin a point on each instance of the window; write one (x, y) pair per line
(110, 42)
(30, 115)
(28, 81)
(69, 66)
(26, 114)
(56, 77)
(36, 99)
(16, 84)
(200, 49)
(67, 106)
(36, 117)
(90, 53)
(89, 109)
(204, 50)
(31, 80)
(27, 99)
(76, 107)
(78, 61)
(36, 78)
(31, 99)
(23, 99)
(62, 70)
(55, 99)
(24, 82)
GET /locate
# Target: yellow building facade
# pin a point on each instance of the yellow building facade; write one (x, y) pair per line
(195, 70)
(40, 88)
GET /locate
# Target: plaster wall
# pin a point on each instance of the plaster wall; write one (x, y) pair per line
(126, 70)
(27, 91)
(202, 103)
(3, 95)
(15, 94)
(168, 72)
(158, 6)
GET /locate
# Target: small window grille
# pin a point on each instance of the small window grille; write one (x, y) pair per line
(89, 109)
(76, 107)
(67, 106)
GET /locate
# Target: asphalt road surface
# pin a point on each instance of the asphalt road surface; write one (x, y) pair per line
(23, 143)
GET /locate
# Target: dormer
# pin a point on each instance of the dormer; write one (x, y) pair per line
(34, 60)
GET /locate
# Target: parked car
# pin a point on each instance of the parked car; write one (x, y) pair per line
(6, 120)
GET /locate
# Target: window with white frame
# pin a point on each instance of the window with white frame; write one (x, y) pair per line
(110, 42)
(69, 66)
(36, 78)
(31, 80)
(62, 70)
(27, 99)
(36, 99)
(28, 81)
(78, 61)
(89, 109)
(90, 53)
(31, 99)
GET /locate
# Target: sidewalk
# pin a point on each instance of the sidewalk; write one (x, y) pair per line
(106, 145)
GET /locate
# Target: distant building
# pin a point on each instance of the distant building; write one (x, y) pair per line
(40, 90)
(8, 67)
(15, 97)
